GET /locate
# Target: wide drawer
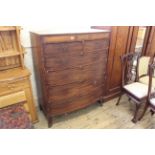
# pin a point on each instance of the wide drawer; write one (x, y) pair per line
(6, 87)
(77, 103)
(60, 94)
(76, 75)
(81, 58)
(74, 37)
(55, 49)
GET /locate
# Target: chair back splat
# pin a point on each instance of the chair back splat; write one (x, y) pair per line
(128, 72)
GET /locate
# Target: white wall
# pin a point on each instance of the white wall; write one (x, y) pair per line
(25, 39)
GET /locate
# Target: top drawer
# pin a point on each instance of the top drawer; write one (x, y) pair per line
(75, 37)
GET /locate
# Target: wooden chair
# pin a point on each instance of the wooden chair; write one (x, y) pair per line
(143, 70)
(136, 91)
(151, 92)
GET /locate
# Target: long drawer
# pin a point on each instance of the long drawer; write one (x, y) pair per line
(76, 75)
(77, 103)
(81, 58)
(53, 49)
(60, 94)
(69, 55)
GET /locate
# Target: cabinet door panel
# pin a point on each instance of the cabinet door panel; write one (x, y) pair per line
(150, 49)
(118, 47)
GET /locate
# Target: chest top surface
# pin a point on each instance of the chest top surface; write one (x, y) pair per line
(60, 31)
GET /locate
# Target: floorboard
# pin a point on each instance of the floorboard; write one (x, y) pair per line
(109, 116)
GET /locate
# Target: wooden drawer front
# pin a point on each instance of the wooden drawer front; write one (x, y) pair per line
(75, 37)
(13, 98)
(58, 49)
(79, 59)
(13, 86)
(94, 45)
(60, 94)
(85, 73)
(77, 103)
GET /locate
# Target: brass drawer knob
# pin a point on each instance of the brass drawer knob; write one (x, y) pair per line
(72, 38)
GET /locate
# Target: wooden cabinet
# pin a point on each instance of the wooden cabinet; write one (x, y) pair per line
(15, 86)
(124, 39)
(150, 47)
(119, 45)
(16, 81)
(72, 69)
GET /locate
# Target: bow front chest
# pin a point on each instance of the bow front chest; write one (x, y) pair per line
(71, 69)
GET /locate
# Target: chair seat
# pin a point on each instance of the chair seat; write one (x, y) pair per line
(139, 90)
(145, 80)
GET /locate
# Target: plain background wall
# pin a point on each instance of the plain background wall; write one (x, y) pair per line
(25, 40)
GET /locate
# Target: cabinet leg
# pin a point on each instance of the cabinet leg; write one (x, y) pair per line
(101, 102)
(50, 122)
(40, 107)
(152, 112)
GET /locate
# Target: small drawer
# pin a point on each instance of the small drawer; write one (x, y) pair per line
(95, 45)
(12, 86)
(57, 38)
(59, 49)
(13, 98)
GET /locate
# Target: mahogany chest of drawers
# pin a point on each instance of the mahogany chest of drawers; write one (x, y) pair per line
(71, 68)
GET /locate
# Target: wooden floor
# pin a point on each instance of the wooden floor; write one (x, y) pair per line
(109, 116)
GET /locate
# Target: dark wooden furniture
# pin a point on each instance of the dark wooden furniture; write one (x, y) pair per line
(119, 45)
(123, 40)
(72, 69)
(150, 42)
(151, 93)
(136, 91)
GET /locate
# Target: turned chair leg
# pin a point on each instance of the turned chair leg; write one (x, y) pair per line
(145, 108)
(118, 101)
(135, 119)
